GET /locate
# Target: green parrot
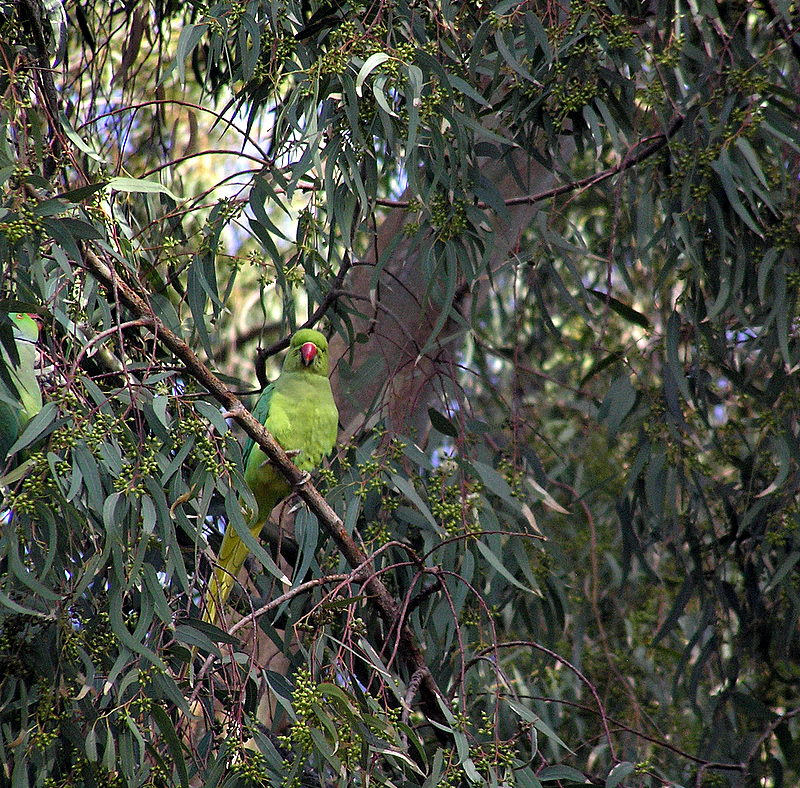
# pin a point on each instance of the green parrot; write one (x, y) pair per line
(18, 407)
(299, 412)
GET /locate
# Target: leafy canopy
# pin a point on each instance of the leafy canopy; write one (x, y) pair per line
(556, 249)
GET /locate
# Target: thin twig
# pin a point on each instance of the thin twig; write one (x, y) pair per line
(657, 141)
(720, 765)
(531, 644)
(335, 292)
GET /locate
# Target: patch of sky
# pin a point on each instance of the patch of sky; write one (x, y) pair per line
(740, 336)
(719, 413)
(443, 453)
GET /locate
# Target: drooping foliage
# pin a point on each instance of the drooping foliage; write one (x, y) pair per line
(556, 248)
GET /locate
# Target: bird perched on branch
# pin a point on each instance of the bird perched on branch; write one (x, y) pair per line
(20, 395)
(299, 411)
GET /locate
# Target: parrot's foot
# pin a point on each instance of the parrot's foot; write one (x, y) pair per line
(304, 479)
(290, 454)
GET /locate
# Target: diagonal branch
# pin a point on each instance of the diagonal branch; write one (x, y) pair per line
(31, 16)
(387, 606)
(638, 152)
(646, 148)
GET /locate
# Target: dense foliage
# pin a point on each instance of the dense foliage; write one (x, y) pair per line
(557, 249)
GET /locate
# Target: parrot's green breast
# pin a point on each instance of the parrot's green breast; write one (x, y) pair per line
(303, 418)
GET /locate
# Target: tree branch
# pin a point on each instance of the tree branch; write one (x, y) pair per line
(387, 606)
(631, 159)
(30, 14)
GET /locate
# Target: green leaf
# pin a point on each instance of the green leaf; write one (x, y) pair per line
(497, 564)
(370, 64)
(139, 186)
(197, 293)
(43, 423)
(464, 87)
(173, 742)
(82, 192)
(131, 641)
(214, 415)
(528, 716)
(249, 38)
(622, 309)
(16, 474)
(195, 639)
(322, 746)
(407, 489)
(7, 603)
(599, 366)
(509, 57)
(540, 34)
(617, 404)
(378, 90)
(494, 482)
(673, 355)
(50, 208)
(781, 450)
(233, 509)
(723, 167)
(442, 424)
(783, 570)
(261, 195)
(77, 140)
(560, 772)
(619, 773)
(21, 572)
(189, 38)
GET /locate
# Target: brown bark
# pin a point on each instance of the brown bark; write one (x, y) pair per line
(402, 381)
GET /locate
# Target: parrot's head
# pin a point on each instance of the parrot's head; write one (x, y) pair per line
(308, 349)
(25, 326)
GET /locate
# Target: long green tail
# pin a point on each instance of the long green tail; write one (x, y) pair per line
(232, 555)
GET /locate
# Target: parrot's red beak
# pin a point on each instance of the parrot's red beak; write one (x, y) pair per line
(308, 352)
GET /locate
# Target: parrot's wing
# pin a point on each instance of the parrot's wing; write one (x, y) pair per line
(260, 414)
(26, 382)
